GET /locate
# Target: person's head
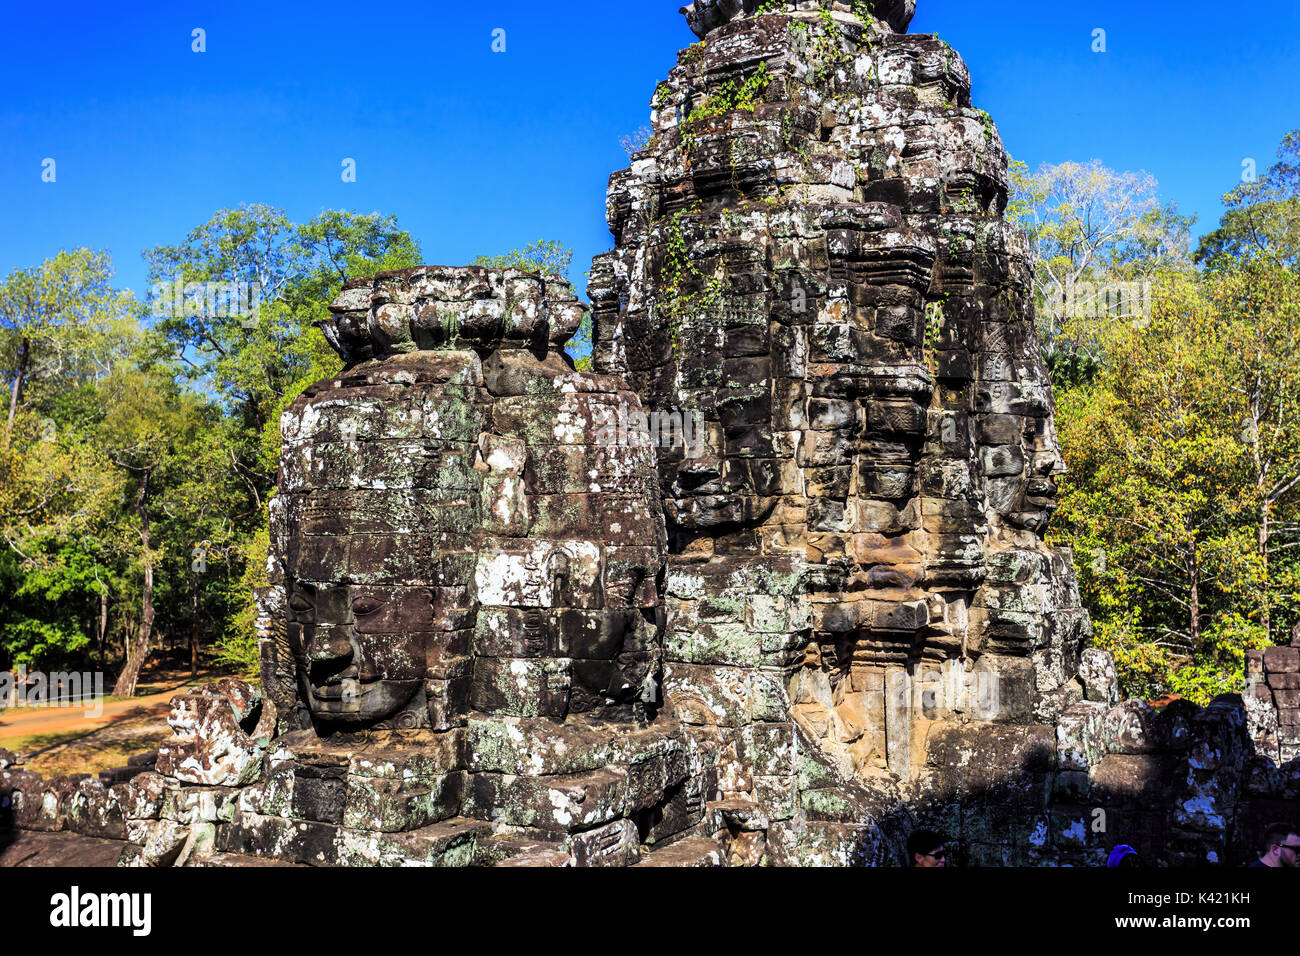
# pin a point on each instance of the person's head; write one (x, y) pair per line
(925, 849)
(1122, 856)
(1282, 845)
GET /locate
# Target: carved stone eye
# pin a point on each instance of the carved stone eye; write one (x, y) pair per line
(366, 605)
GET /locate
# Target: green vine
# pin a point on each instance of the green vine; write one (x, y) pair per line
(963, 202)
(678, 272)
(727, 97)
(730, 96)
(933, 330)
(828, 51)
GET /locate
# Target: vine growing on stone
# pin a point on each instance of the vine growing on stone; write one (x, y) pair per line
(678, 272)
(726, 98)
(933, 330)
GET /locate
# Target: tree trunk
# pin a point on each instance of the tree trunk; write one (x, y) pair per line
(103, 626)
(136, 654)
(24, 354)
(1267, 617)
(194, 629)
(1194, 600)
(1261, 487)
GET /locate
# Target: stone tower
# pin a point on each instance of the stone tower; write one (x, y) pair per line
(811, 254)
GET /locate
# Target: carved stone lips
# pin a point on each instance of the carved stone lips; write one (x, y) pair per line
(346, 688)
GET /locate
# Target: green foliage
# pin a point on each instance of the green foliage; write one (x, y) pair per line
(237, 646)
(727, 97)
(828, 51)
(693, 53)
(1090, 227)
(60, 323)
(44, 614)
(1263, 218)
(252, 360)
(1181, 427)
(1182, 534)
(730, 95)
(545, 255)
(687, 292)
(933, 331)
(177, 424)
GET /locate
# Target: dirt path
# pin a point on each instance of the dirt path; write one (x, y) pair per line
(32, 721)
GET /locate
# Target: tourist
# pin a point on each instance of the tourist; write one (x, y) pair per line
(925, 849)
(1281, 846)
(1123, 856)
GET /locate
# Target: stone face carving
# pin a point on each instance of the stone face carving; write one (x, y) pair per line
(825, 275)
(449, 535)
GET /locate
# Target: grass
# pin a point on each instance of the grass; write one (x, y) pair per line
(89, 749)
(93, 750)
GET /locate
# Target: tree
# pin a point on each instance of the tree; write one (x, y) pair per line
(59, 319)
(545, 256)
(1258, 310)
(257, 363)
(148, 424)
(1263, 218)
(1154, 500)
(1183, 497)
(1094, 232)
(64, 327)
(55, 501)
(286, 274)
(138, 462)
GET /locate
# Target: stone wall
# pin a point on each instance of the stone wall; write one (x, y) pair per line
(1273, 700)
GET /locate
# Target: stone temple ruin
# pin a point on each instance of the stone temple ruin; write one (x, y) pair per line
(768, 586)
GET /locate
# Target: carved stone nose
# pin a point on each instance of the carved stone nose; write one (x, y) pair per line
(335, 648)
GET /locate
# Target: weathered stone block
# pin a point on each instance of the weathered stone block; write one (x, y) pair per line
(297, 841)
(390, 805)
(449, 843)
(1282, 659)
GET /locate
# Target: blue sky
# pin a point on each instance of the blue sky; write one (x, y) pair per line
(478, 152)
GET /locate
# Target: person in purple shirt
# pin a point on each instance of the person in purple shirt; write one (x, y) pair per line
(1281, 847)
